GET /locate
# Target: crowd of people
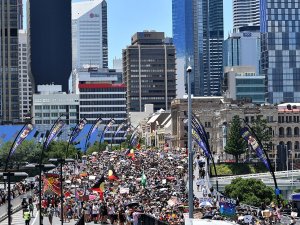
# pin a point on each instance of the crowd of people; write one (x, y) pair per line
(121, 187)
(17, 189)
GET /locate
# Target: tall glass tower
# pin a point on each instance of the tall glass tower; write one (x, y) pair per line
(280, 27)
(198, 38)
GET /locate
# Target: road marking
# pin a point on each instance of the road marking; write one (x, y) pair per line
(36, 216)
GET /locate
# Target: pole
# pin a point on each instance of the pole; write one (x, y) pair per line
(61, 194)
(287, 161)
(9, 199)
(190, 150)
(40, 194)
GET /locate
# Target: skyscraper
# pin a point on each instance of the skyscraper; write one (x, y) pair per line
(89, 34)
(198, 38)
(9, 85)
(149, 71)
(49, 42)
(245, 12)
(25, 90)
(280, 27)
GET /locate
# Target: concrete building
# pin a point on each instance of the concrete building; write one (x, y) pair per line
(281, 49)
(245, 13)
(9, 86)
(49, 42)
(101, 94)
(51, 102)
(89, 34)
(243, 48)
(242, 83)
(216, 114)
(198, 38)
(149, 71)
(25, 89)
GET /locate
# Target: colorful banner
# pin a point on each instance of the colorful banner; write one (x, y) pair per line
(54, 132)
(200, 143)
(251, 140)
(106, 128)
(96, 125)
(26, 131)
(119, 128)
(52, 183)
(127, 131)
(78, 129)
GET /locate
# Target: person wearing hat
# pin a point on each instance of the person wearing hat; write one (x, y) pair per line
(26, 216)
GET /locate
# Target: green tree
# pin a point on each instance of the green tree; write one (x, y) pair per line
(250, 191)
(97, 147)
(57, 149)
(262, 131)
(235, 143)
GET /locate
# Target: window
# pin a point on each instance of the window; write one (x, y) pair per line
(46, 107)
(62, 107)
(38, 107)
(54, 106)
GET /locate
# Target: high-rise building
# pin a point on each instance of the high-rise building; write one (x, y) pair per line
(25, 90)
(149, 71)
(245, 13)
(49, 42)
(101, 94)
(243, 48)
(280, 27)
(89, 34)
(9, 86)
(242, 83)
(198, 38)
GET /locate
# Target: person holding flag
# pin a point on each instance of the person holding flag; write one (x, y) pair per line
(99, 187)
(112, 174)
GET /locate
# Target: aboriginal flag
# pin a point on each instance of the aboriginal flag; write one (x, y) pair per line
(99, 187)
(52, 184)
(112, 174)
(131, 154)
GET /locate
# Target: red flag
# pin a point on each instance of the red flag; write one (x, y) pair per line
(99, 187)
(131, 154)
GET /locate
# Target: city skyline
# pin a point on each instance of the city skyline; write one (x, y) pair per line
(141, 8)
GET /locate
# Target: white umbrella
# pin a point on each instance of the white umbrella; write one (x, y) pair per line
(68, 181)
(94, 153)
(170, 157)
(205, 204)
(180, 167)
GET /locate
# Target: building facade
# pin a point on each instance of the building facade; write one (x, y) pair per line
(245, 13)
(25, 89)
(243, 48)
(9, 94)
(149, 71)
(216, 114)
(49, 42)
(242, 83)
(89, 34)
(51, 102)
(102, 94)
(281, 49)
(198, 38)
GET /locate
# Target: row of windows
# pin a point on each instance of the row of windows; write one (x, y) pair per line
(288, 119)
(115, 89)
(55, 107)
(108, 115)
(123, 102)
(104, 96)
(102, 109)
(53, 114)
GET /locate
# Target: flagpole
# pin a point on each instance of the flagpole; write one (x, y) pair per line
(82, 121)
(90, 132)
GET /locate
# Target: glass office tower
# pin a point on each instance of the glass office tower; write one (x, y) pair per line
(198, 38)
(280, 27)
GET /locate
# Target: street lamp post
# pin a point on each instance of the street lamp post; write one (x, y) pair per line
(61, 161)
(8, 175)
(190, 150)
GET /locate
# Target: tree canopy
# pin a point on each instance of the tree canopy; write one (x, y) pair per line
(250, 191)
(262, 130)
(235, 143)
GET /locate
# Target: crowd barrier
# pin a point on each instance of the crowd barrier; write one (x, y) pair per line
(150, 220)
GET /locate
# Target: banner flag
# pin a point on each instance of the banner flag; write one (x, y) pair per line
(119, 128)
(26, 131)
(52, 183)
(96, 125)
(200, 143)
(107, 128)
(54, 132)
(78, 129)
(251, 140)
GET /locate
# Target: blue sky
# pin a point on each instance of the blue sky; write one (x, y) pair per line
(125, 17)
